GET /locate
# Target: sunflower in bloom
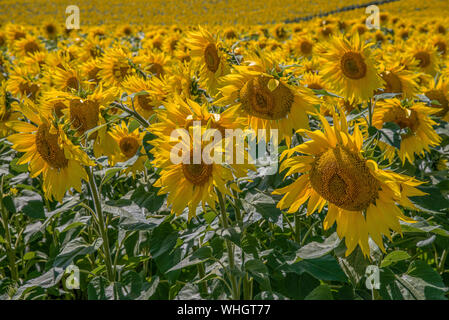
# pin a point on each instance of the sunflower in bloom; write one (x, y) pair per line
(267, 102)
(349, 68)
(191, 182)
(362, 198)
(27, 45)
(439, 91)
(115, 67)
(128, 145)
(212, 60)
(9, 111)
(416, 123)
(426, 55)
(397, 79)
(48, 151)
(151, 95)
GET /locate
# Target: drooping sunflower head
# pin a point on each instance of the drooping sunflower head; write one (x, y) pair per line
(362, 199)
(269, 103)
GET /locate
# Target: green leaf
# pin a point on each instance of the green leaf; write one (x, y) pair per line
(99, 289)
(34, 209)
(199, 256)
(260, 273)
(325, 268)
(74, 248)
(315, 249)
(322, 292)
(9, 204)
(390, 134)
(394, 257)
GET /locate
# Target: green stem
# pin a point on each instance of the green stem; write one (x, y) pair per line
(101, 223)
(229, 246)
(9, 250)
(442, 261)
(298, 225)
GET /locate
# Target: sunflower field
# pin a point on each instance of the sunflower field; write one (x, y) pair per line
(353, 117)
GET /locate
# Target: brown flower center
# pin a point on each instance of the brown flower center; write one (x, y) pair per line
(211, 57)
(145, 102)
(28, 89)
(393, 83)
(48, 148)
(258, 100)
(129, 146)
(84, 115)
(31, 47)
(198, 174)
(423, 57)
(343, 179)
(353, 65)
(120, 71)
(441, 46)
(306, 47)
(156, 69)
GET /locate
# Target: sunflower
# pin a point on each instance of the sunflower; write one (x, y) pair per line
(441, 44)
(426, 55)
(85, 113)
(415, 120)
(397, 79)
(189, 183)
(128, 145)
(213, 62)
(439, 91)
(48, 151)
(50, 29)
(66, 78)
(9, 111)
(15, 32)
(269, 103)
(154, 64)
(349, 68)
(302, 45)
(151, 95)
(115, 67)
(362, 199)
(27, 45)
(23, 84)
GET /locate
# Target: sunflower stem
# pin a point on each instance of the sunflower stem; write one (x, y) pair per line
(298, 225)
(101, 223)
(229, 247)
(9, 249)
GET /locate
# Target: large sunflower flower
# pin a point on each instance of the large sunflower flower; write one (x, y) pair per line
(188, 183)
(362, 199)
(415, 120)
(349, 68)
(269, 103)
(49, 152)
(213, 62)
